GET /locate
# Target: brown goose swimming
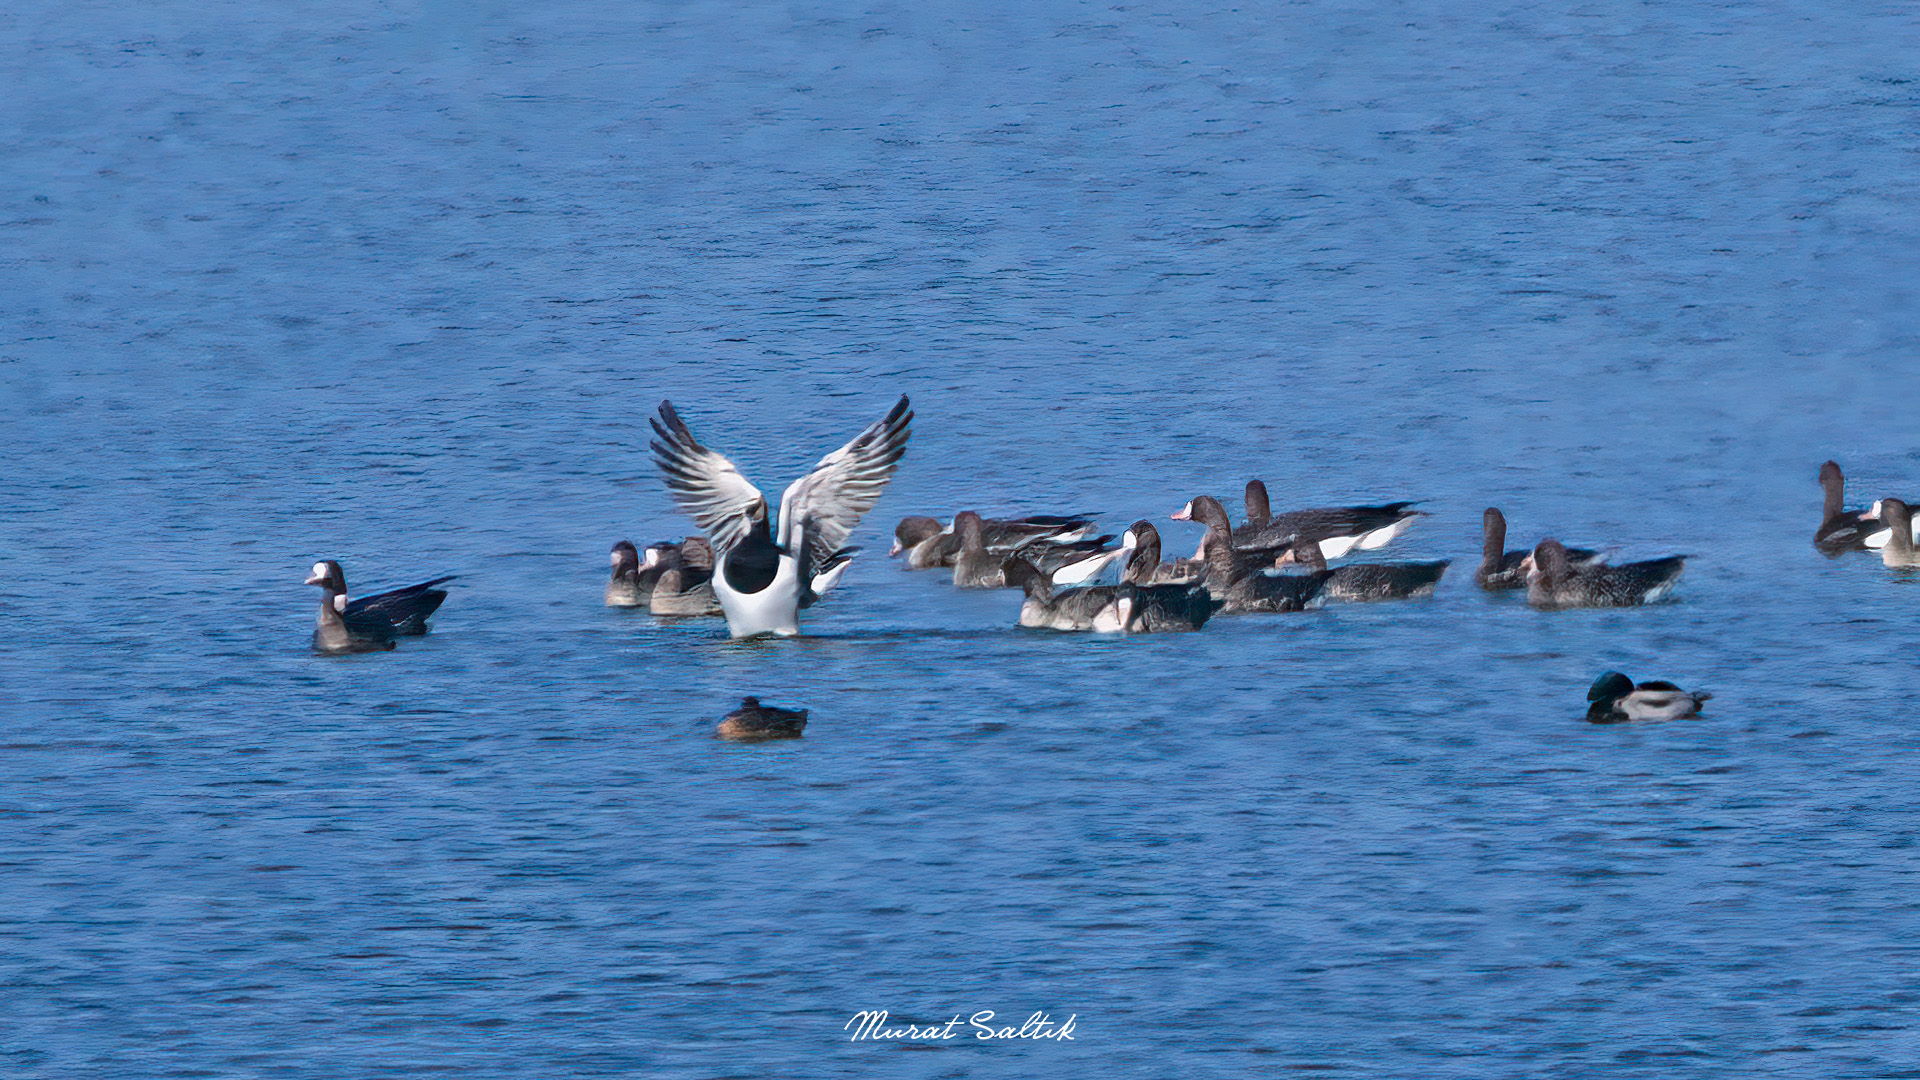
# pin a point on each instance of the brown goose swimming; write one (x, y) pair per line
(1554, 582)
(1501, 569)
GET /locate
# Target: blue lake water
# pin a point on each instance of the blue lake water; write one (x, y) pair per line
(400, 284)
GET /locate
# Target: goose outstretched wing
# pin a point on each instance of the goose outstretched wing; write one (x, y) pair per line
(829, 502)
(705, 484)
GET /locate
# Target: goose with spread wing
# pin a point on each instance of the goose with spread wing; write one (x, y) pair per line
(761, 576)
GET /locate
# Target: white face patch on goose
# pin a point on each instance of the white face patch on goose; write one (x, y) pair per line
(1128, 541)
(340, 603)
(320, 570)
(653, 556)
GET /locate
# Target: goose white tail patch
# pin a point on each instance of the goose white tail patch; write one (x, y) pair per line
(1075, 573)
(1334, 547)
(1380, 538)
(1878, 540)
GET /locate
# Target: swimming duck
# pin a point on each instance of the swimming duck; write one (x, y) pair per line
(1500, 569)
(762, 579)
(1614, 698)
(1554, 582)
(1237, 577)
(1897, 536)
(929, 544)
(1339, 530)
(370, 623)
(1065, 563)
(1362, 582)
(752, 722)
(1123, 608)
(1841, 530)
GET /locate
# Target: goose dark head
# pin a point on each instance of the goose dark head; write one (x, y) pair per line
(1493, 528)
(328, 575)
(1550, 559)
(1610, 686)
(1144, 539)
(697, 553)
(969, 528)
(1020, 574)
(625, 558)
(1207, 510)
(749, 702)
(661, 553)
(1830, 475)
(1259, 511)
(912, 532)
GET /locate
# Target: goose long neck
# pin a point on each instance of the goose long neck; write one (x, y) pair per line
(329, 614)
(1493, 545)
(1145, 561)
(1898, 516)
(1259, 511)
(1836, 488)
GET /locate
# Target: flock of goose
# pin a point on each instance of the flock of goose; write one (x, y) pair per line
(760, 568)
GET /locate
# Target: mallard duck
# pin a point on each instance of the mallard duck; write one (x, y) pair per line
(753, 721)
(1614, 698)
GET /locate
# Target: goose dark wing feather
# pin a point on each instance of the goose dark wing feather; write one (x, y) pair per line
(708, 487)
(829, 501)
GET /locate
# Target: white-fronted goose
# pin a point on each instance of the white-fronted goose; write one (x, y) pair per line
(1501, 569)
(370, 623)
(1364, 582)
(928, 544)
(1238, 578)
(1123, 609)
(1554, 582)
(1841, 530)
(1339, 530)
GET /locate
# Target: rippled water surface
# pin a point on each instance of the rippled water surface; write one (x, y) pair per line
(399, 284)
